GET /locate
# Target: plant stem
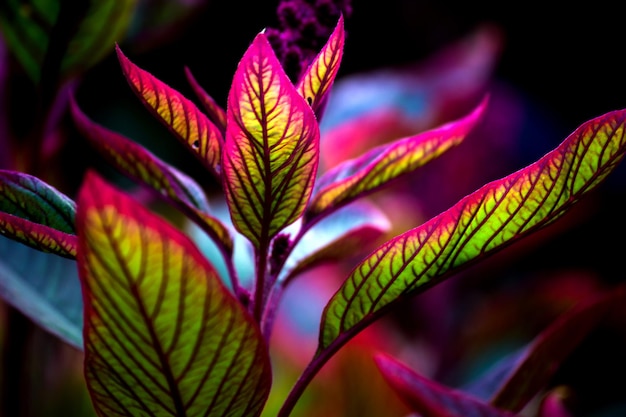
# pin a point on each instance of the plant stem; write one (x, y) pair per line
(259, 288)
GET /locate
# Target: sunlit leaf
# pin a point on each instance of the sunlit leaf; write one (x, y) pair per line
(214, 111)
(45, 288)
(138, 163)
(37, 236)
(429, 398)
(163, 335)
(550, 349)
(192, 127)
(271, 148)
(358, 177)
(491, 218)
(318, 78)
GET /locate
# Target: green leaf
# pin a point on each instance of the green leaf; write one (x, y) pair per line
(36, 214)
(271, 149)
(163, 335)
(373, 170)
(45, 288)
(75, 35)
(491, 218)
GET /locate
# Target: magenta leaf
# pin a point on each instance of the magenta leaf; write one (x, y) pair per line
(491, 218)
(429, 398)
(192, 127)
(271, 149)
(316, 82)
(138, 163)
(363, 175)
(163, 335)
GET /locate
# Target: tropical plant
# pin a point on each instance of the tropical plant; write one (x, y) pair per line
(169, 329)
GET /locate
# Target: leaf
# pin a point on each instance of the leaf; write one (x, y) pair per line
(45, 288)
(138, 163)
(216, 114)
(376, 168)
(36, 214)
(271, 147)
(551, 348)
(491, 218)
(427, 397)
(163, 335)
(76, 36)
(343, 234)
(180, 115)
(317, 80)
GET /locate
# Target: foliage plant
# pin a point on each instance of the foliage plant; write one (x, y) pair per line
(167, 331)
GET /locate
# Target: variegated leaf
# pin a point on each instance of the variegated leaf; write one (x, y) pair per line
(271, 148)
(163, 335)
(491, 218)
(192, 127)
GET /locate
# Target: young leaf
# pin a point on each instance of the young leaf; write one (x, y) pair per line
(45, 288)
(163, 335)
(376, 168)
(214, 111)
(136, 162)
(553, 345)
(36, 214)
(318, 78)
(271, 149)
(427, 397)
(180, 115)
(494, 216)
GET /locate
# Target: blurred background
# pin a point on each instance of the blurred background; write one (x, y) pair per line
(547, 72)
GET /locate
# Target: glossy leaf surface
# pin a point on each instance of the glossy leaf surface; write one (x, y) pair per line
(376, 168)
(494, 216)
(272, 147)
(429, 398)
(163, 335)
(44, 287)
(138, 163)
(36, 214)
(318, 78)
(192, 127)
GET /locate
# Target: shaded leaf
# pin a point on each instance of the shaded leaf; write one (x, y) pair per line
(45, 288)
(544, 356)
(271, 148)
(317, 80)
(345, 233)
(36, 214)
(214, 111)
(192, 127)
(77, 36)
(358, 177)
(163, 335)
(491, 218)
(429, 398)
(138, 163)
